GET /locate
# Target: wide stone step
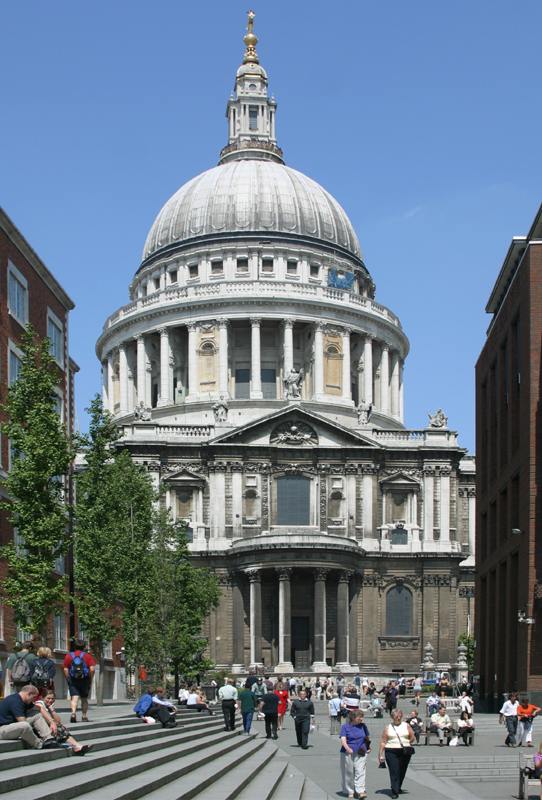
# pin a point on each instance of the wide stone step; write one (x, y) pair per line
(265, 782)
(290, 786)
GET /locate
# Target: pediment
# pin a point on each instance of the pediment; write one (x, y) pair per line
(184, 477)
(400, 479)
(295, 427)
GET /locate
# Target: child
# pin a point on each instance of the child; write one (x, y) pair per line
(46, 706)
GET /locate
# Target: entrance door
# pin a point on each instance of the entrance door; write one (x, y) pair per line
(301, 643)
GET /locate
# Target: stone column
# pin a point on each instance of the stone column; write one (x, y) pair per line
(445, 506)
(367, 512)
(385, 379)
(141, 369)
(105, 383)
(123, 379)
(368, 369)
(343, 613)
(428, 505)
(110, 384)
(401, 392)
(471, 494)
(395, 384)
(318, 362)
(346, 377)
(223, 357)
(288, 345)
(255, 617)
(238, 625)
(164, 399)
(255, 360)
(353, 623)
(320, 628)
(193, 388)
(285, 621)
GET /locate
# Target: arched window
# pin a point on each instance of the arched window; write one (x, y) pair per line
(399, 611)
(293, 500)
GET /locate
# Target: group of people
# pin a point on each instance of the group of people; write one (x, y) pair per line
(518, 715)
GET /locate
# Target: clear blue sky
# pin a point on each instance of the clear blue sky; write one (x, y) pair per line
(422, 118)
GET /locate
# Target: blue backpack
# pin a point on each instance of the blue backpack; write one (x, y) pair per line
(78, 668)
(143, 705)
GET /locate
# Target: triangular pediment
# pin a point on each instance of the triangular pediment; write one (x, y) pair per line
(184, 477)
(295, 426)
(400, 478)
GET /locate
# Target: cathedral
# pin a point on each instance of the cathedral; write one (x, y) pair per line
(261, 384)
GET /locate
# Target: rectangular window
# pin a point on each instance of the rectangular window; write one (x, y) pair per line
(242, 384)
(108, 650)
(173, 276)
(217, 267)
(15, 365)
(315, 270)
(193, 270)
(267, 265)
(242, 265)
(293, 500)
(269, 383)
(253, 118)
(17, 294)
(55, 335)
(59, 622)
(156, 284)
(291, 267)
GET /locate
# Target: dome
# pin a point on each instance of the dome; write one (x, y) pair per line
(248, 196)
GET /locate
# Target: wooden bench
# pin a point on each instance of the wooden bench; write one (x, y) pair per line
(527, 783)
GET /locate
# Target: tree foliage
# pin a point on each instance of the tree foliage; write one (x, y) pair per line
(41, 453)
(468, 640)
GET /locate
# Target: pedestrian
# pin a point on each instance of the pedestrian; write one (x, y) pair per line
(269, 706)
(43, 671)
(396, 750)
(355, 744)
(509, 715)
(19, 666)
(536, 772)
(334, 706)
(228, 695)
(302, 711)
(526, 714)
(79, 667)
(247, 701)
(291, 686)
(417, 689)
(390, 697)
(282, 694)
(251, 680)
(259, 689)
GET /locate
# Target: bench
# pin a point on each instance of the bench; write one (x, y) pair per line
(527, 783)
(427, 732)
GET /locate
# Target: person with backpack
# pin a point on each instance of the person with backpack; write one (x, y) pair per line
(19, 667)
(43, 671)
(79, 667)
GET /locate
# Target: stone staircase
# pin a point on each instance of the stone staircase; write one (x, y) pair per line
(467, 764)
(130, 759)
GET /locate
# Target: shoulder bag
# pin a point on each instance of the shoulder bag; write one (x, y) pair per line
(408, 750)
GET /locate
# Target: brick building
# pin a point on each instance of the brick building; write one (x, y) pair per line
(509, 511)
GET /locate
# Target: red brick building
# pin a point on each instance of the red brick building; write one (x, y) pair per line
(509, 478)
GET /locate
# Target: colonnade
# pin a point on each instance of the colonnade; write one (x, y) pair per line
(346, 624)
(376, 369)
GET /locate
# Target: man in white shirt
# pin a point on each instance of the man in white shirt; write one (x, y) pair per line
(441, 724)
(466, 703)
(334, 706)
(509, 715)
(228, 695)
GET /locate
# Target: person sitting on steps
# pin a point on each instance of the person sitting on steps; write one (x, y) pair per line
(60, 734)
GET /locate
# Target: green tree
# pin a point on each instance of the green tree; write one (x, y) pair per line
(113, 526)
(468, 640)
(41, 453)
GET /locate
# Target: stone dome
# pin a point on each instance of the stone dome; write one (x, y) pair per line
(251, 196)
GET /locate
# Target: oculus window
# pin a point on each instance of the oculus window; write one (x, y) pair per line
(399, 611)
(293, 500)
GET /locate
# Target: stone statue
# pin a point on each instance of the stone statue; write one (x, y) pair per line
(292, 384)
(438, 419)
(364, 410)
(142, 413)
(220, 410)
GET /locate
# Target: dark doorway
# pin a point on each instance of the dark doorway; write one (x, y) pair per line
(301, 643)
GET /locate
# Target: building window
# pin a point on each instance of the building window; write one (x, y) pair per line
(269, 383)
(315, 270)
(108, 651)
(156, 284)
(253, 118)
(185, 500)
(242, 265)
(59, 623)
(293, 500)
(291, 267)
(267, 265)
(217, 267)
(17, 294)
(399, 611)
(55, 334)
(242, 383)
(193, 270)
(173, 276)
(399, 535)
(335, 505)
(15, 365)
(2, 611)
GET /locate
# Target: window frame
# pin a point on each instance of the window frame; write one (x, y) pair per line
(17, 352)
(398, 588)
(17, 275)
(54, 320)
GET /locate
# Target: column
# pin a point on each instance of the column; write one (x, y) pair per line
(353, 622)
(238, 625)
(193, 389)
(401, 392)
(445, 507)
(255, 617)
(123, 379)
(395, 384)
(105, 384)
(288, 354)
(385, 380)
(343, 613)
(320, 629)
(318, 362)
(237, 503)
(471, 493)
(141, 369)
(164, 399)
(367, 510)
(255, 360)
(285, 621)
(368, 369)
(223, 357)
(110, 384)
(347, 379)
(428, 506)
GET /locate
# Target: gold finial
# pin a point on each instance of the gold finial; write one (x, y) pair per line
(250, 40)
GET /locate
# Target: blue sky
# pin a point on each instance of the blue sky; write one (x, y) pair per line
(422, 118)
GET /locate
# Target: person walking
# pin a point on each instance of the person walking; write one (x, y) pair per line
(396, 750)
(79, 667)
(355, 744)
(228, 695)
(334, 706)
(417, 689)
(19, 667)
(302, 711)
(509, 715)
(269, 706)
(247, 701)
(391, 698)
(282, 694)
(526, 714)
(43, 671)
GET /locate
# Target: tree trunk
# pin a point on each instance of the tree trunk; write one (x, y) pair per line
(100, 682)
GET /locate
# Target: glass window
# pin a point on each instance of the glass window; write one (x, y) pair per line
(242, 384)
(217, 267)
(17, 297)
(293, 500)
(55, 336)
(15, 365)
(399, 611)
(156, 284)
(269, 383)
(315, 270)
(61, 642)
(253, 118)
(242, 265)
(108, 650)
(193, 271)
(291, 267)
(267, 265)
(173, 276)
